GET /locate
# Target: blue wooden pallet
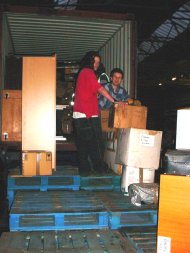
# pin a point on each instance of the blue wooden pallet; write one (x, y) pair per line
(98, 183)
(124, 214)
(142, 239)
(57, 210)
(64, 178)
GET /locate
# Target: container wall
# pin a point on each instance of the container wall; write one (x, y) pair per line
(7, 46)
(119, 52)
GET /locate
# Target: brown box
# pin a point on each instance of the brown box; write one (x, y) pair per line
(128, 116)
(174, 214)
(11, 114)
(104, 121)
(36, 163)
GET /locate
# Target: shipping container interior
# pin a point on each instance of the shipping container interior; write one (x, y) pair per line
(69, 37)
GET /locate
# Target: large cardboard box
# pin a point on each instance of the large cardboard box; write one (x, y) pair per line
(36, 163)
(139, 148)
(174, 214)
(11, 115)
(132, 175)
(128, 116)
(183, 126)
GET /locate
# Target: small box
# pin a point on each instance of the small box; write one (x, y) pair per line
(128, 116)
(173, 214)
(36, 163)
(104, 121)
(132, 175)
(183, 126)
(139, 148)
(177, 162)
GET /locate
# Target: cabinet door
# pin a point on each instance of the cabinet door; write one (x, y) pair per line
(39, 104)
(11, 115)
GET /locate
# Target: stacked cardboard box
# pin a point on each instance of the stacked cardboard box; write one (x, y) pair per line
(139, 151)
(135, 147)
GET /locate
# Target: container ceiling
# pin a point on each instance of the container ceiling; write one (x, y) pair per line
(67, 37)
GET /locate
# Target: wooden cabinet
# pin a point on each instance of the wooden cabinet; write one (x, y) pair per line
(39, 105)
(174, 214)
(11, 115)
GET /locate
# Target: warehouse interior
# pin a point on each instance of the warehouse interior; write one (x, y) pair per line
(149, 41)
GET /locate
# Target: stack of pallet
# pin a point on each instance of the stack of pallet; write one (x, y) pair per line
(134, 147)
(67, 202)
(174, 215)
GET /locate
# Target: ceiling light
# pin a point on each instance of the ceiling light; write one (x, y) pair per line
(174, 78)
(160, 84)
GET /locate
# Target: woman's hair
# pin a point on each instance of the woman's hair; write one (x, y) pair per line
(88, 60)
(100, 70)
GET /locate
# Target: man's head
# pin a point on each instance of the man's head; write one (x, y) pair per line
(116, 76)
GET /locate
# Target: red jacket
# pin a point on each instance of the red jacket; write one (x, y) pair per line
(86, 100)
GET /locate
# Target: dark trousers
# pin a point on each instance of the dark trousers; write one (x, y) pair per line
(89, 142)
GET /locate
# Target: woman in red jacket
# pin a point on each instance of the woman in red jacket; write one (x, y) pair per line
(87, 123)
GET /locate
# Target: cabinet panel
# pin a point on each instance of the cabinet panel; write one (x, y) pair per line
(174, 214)
(39, 104)
(11, 115)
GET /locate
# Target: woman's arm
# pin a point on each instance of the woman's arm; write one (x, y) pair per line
(104, 93)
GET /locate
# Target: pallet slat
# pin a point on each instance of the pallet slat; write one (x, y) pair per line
(142, 239)
(101, 183)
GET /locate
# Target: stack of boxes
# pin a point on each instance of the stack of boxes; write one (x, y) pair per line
(136, 148)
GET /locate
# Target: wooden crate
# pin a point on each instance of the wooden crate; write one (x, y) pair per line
(11, 115)
(39, 105)
(174, 214)
(128, 116)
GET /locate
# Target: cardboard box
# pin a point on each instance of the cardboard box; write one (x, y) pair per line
(36, 163)
(174, 214)
(132, 175)
(128, 116)
(183, 126)
(104, 121)
(139, 148)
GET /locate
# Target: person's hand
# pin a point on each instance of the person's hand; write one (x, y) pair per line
(122, 104)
